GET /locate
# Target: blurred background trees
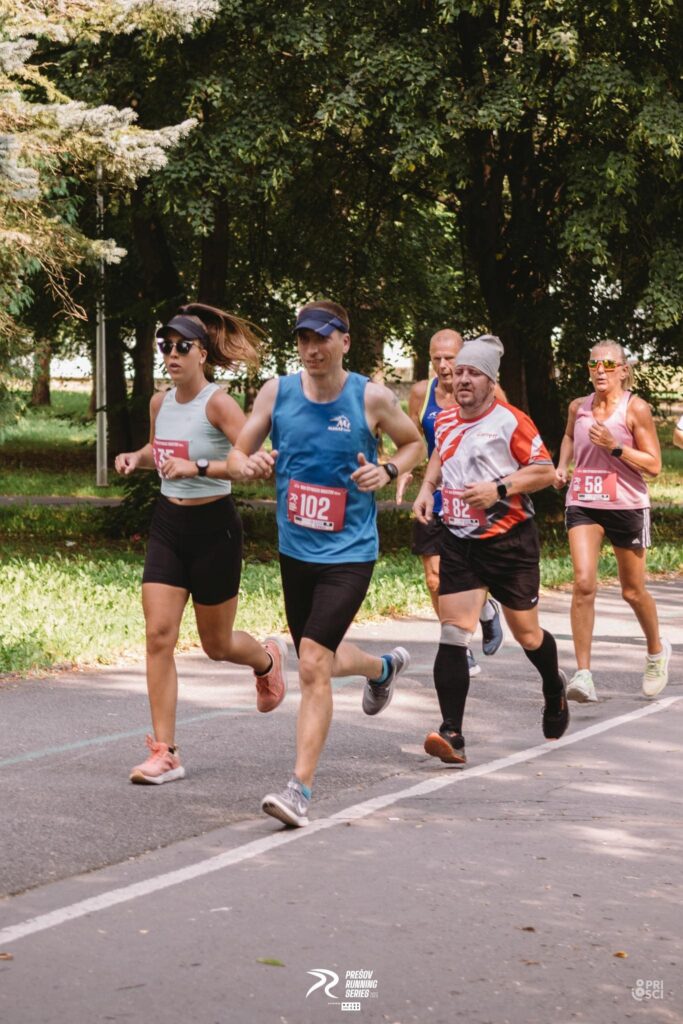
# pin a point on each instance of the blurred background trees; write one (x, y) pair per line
(506, 166)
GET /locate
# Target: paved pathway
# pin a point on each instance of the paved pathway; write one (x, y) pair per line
(497, 893)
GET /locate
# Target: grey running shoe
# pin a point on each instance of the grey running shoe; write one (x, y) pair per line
(492, 632)
(472, 664)
(289, 806)
(656, 674)
(377, 696)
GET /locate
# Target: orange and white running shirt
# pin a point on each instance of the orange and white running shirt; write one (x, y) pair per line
(482, 450)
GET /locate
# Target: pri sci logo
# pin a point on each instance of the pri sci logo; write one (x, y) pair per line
(356, 986)
(327, 978)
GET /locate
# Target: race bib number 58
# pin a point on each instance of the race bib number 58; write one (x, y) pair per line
(457, 512)
(316, 507)
(597, 486)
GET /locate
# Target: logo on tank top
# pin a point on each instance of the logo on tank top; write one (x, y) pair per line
(340, 423)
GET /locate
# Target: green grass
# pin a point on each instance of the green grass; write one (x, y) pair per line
(79, 604)
(69, 596)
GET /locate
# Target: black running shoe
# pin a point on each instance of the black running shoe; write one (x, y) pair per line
(556, 713)
(449, 747)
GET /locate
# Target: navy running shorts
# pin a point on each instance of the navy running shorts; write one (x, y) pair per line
(624, 527)
(196, 547)
(507, 566)
(322, 599)
(427, 537)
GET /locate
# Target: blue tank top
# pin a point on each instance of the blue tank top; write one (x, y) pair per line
(322, 517)
(430, 410)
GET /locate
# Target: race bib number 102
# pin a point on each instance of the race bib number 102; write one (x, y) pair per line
(316, 507)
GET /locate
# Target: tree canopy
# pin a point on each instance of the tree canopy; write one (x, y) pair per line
(490, 164)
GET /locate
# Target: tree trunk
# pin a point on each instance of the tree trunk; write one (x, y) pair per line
(143, 382)
(213, 272)
(40, 391)
(118, 423)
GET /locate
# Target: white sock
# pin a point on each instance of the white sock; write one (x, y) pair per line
(488, 612)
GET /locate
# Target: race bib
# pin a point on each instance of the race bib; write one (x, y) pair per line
(316, 507)
(596, 485)
(457, 512)
(169, 449)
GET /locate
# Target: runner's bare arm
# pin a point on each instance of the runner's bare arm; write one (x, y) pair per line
(127, 462)
(646, 455)
(416, 399)
(423, 506)
(384, 413)
(525, 480)
(678, 437)
(247, 460)
(567, 446)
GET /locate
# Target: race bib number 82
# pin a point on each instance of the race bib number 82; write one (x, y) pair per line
(456, 511)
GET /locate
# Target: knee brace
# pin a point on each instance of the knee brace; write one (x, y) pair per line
(455, 636)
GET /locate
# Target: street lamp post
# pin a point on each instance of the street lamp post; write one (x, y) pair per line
(101, 351)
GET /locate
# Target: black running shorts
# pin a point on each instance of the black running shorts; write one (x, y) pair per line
(196, 547)
(427, 537)
(624, 528)
(506, 566)
(321, 600)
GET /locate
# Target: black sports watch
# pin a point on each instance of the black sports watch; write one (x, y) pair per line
(502, 491)
(202, 466)
(617, 452)
(392, 470)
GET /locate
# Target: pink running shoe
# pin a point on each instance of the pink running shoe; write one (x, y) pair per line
(271, 688)
(161, 765)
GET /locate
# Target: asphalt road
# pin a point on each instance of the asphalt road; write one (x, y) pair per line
(500, 892)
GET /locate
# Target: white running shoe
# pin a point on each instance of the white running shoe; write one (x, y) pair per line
(582, 688)
(656, 674)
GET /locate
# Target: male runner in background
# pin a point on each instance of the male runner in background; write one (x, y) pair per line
(425, 401)
(323, 423)
(488, 458)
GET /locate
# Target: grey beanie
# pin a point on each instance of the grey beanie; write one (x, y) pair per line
(483, 353)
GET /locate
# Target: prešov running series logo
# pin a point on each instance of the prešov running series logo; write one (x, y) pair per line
(358, 985)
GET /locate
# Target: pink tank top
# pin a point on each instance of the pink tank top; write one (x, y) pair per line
(601, 480)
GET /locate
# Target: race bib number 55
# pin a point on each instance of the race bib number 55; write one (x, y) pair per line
(457, 512)
(597, 486)
(169, 449)
(316, 507)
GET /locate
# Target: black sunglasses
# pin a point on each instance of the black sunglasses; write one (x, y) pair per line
(182, 347)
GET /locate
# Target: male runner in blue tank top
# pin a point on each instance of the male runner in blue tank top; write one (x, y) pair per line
(323, 424)
(425, 401)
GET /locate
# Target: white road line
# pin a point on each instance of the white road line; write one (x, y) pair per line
(277, 839)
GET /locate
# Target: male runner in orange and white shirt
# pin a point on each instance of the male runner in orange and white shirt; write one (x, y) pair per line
(488, 458)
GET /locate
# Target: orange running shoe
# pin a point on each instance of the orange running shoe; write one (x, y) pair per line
(272, 687)
(161, 765)
(449, 747)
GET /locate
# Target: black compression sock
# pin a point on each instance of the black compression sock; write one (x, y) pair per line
(452, 681)
(544, 659)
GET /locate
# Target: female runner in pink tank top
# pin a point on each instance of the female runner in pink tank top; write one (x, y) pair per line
(611, 438)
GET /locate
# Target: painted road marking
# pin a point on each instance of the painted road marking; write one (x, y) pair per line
(114, 897)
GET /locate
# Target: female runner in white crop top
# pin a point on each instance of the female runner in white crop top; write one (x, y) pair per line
(611, 438)
(195, 541)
